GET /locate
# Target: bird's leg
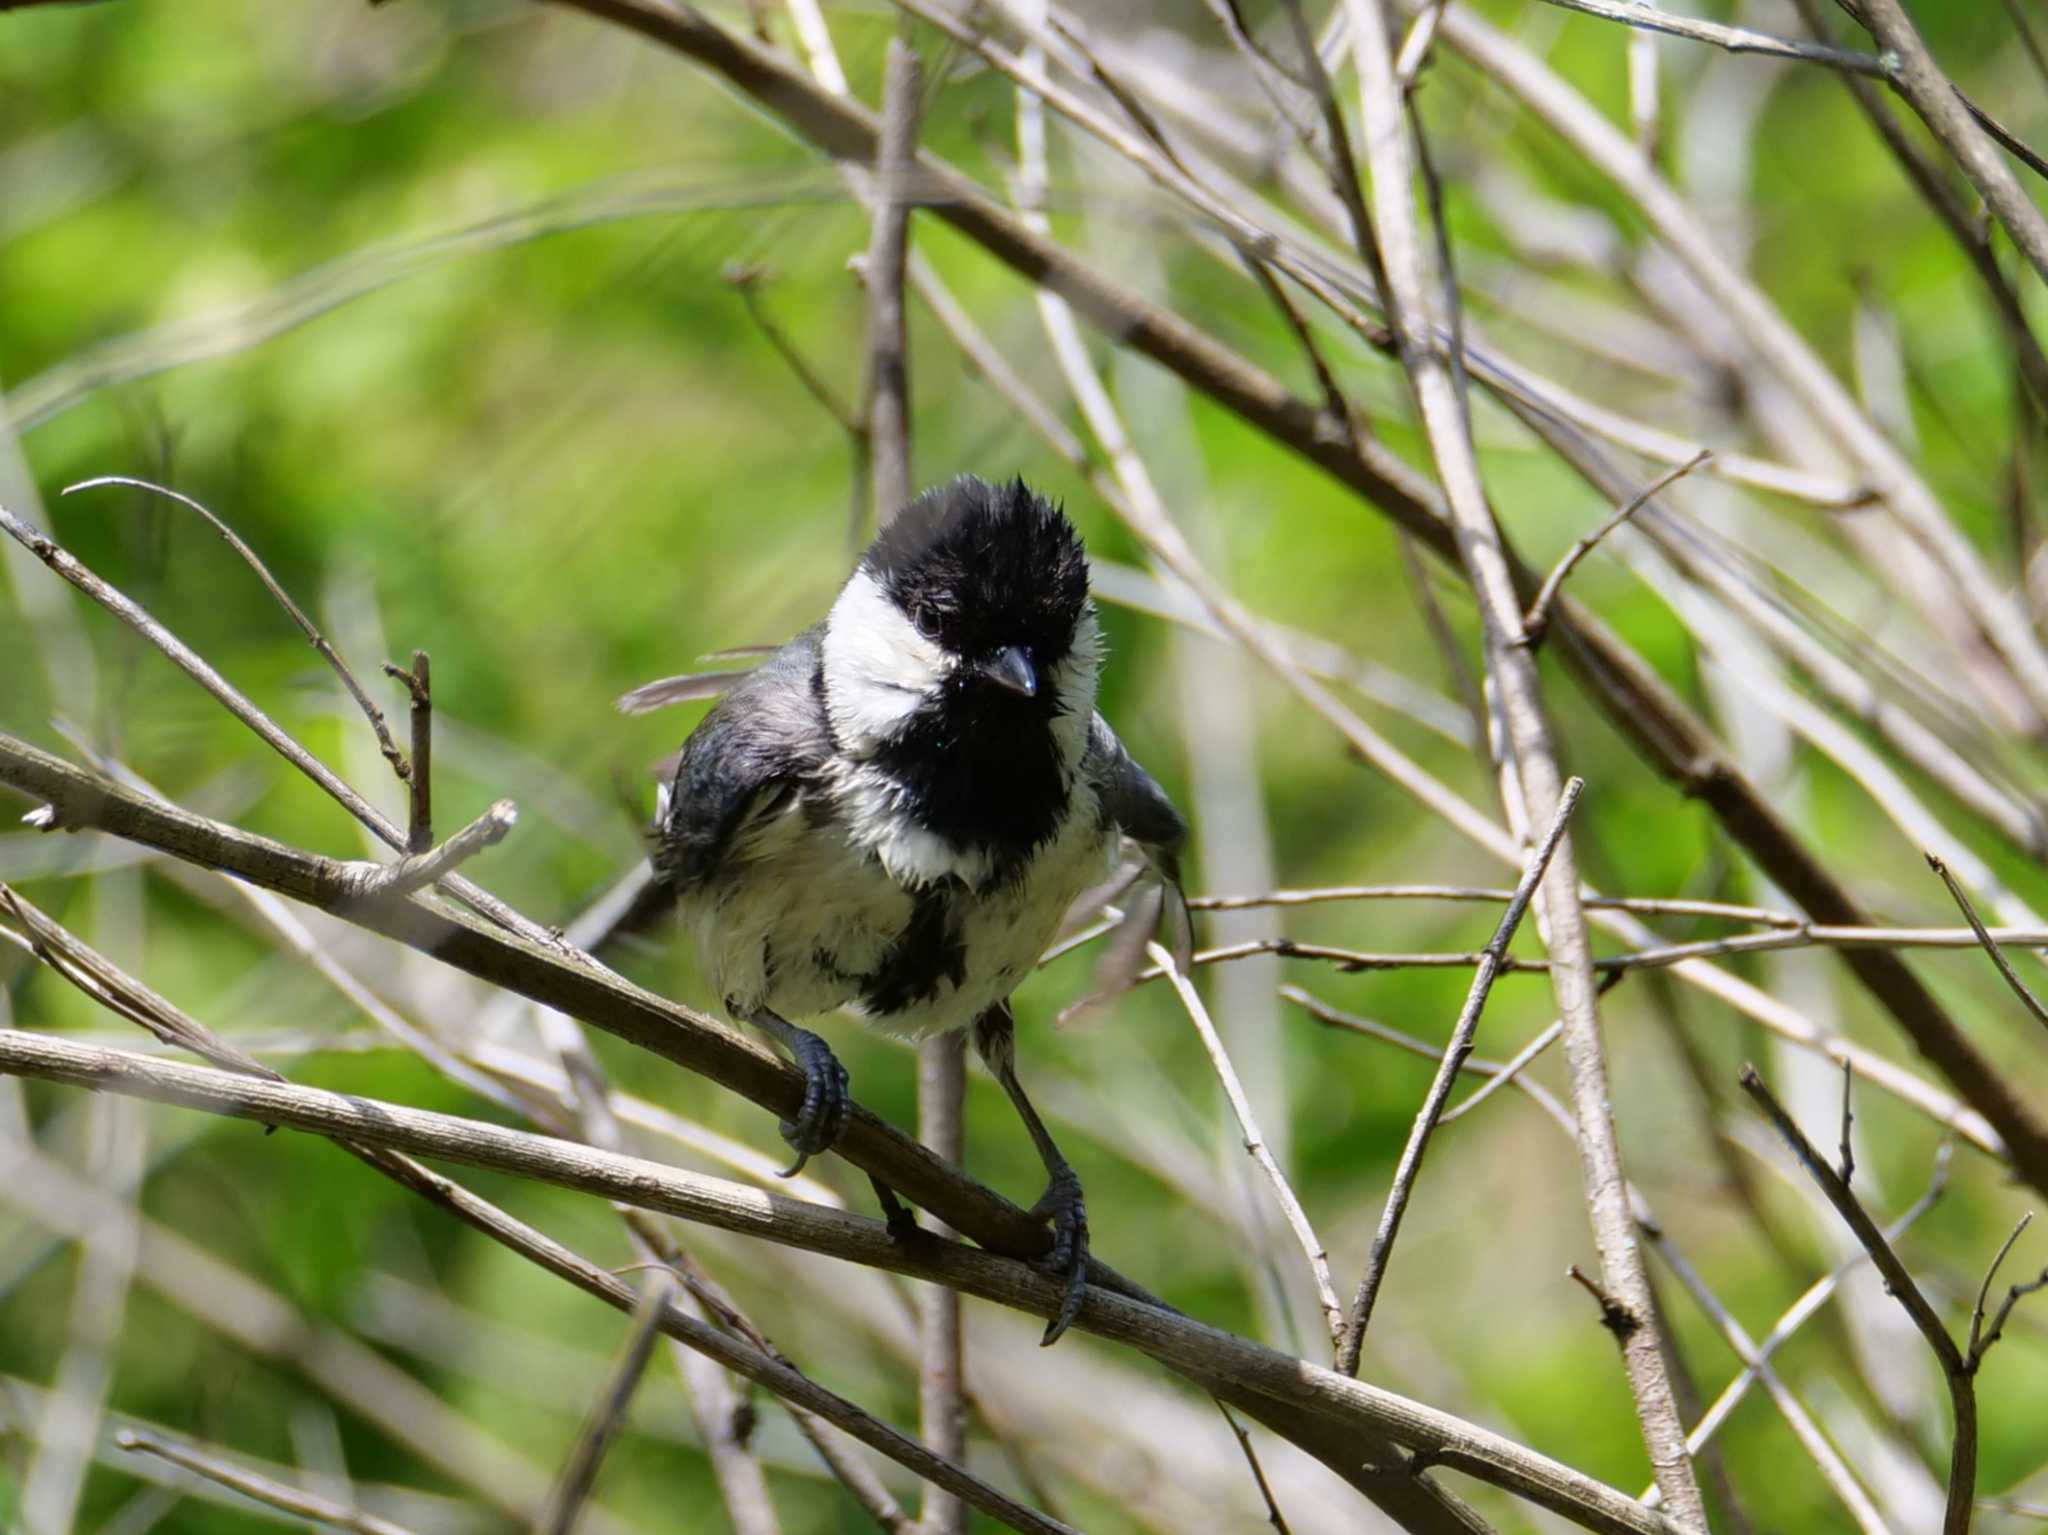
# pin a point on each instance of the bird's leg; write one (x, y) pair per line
(995, 1039)
(819, 1123)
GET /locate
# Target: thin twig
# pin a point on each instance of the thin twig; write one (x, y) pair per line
(1826, 1459)
(747, 282)
(1808, 935)
(187, 660)
(1848, 1168)
(1960, 127)
(1653, 906)
(401, 877)
(1980, 1339)
(1796, 1315)
(1254, 1142)
(419, 687)
(1454, 1057)
(888, 389)
(1959, 218)
(1640, 13)
(1990, 942)
(1956, 1367)
(1497, 1073)
(293, 1500)
(1251, 1458)
(2028, 40)
(608, 1411)
(1510, 1075)
(1537, 618)
(314, 637)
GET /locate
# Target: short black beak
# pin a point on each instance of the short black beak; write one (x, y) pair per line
(1011, 668)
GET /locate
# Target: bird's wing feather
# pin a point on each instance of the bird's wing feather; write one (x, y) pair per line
(762, 741)
(1135, 801)
(1148, 820)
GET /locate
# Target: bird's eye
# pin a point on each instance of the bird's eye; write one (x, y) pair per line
(927, 621)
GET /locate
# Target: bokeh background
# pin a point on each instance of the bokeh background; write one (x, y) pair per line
(438, 304)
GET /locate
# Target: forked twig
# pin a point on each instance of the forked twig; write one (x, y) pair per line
(283, 599)
(1455, 1053)
(416, 871)
(1537, 619)
(1958, 1366)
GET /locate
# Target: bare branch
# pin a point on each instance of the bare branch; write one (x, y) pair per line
(419, 835)
(1538, 616)
(1817, 1295)
(1435, 380)
(189, 662)
(1455, 1054)
(1640, 13)
(263, 1489)
(1251, 1457)
(888, 392)
(1961, 129)
(416, 871)
(1497, 1073)
(608, 1412)
(1981, 1340)
(1255, 1143)
(283, 599)
(2019, 987)
(1181, 1343)
(1650, 906)
(1956, 1367)
(1839, 1478)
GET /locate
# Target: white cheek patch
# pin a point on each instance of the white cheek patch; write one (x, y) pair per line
(878, 668)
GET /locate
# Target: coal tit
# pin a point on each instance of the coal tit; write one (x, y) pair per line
(894, 812)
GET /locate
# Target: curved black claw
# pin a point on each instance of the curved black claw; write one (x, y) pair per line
(822, 1119)
(1068, 1259)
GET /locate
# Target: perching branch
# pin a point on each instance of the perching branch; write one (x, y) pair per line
(1179, 1342)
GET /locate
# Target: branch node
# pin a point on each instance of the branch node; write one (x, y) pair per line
(415, 871)
(1614, 1316)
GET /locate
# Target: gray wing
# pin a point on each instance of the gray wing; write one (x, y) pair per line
(1134, 800)
(1142, 812)
(764, 741)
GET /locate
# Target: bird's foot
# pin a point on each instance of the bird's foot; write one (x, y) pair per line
(1068, 1259)
(822, 1119)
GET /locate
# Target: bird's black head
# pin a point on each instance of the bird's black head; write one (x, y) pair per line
(960, 660)
(981, 571)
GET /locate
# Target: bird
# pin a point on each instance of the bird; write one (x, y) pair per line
(894, 812)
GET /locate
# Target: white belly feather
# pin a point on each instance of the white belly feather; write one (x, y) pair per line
(806, 911)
